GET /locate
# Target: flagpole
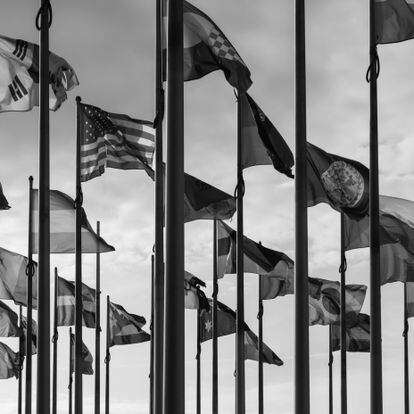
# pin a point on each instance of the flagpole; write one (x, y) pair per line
(70, 369)
(152, 345)
(260, 347)
(107, 359)
(198, 409)
(174, 386)
(375, 288)
(214, 321)
(30, 270)
(54, 341)
(240, 404)
(406, 359)
(78, 274)
(301, 220)
(43, 283)
(330, 362)
(344, 388)
(21, 347)
(98, 325)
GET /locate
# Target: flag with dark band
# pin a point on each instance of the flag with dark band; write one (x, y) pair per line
(114, 141)
(4, 204)
(357, 334)
(9, 362)
(410, 299)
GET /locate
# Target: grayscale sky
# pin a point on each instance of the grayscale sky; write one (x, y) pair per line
(110, 44)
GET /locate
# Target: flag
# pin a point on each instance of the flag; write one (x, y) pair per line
(257, 258)
(114, 141)
(194, 297)
(394, 20)
(9, 321)
(13, 279)
(207, 49)
(325, 300)
(9, 362)
(340, 182)
(124, 327)
(4, 204)
(272, 287)
(261, 142)
(63, 226)
(357, 334)
(87, 359)
(34, 334)
(66, 304)
(410, 299)
(251, 350)
(19, 66)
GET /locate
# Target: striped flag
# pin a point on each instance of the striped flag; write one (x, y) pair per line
(4, 204)
(86, 361)
(34, 334)
(124, 327)
(9, 362)
(357, 334)
(63, 225)
(66, 304)
(114, 141)
(9, 321)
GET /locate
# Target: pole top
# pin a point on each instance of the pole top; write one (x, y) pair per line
(31, 179)
(78, 99)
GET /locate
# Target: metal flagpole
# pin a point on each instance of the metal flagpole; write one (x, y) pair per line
(342, 269)
(214, 321)
(107, 358)
(152, 362)
(240, 404)
(406, 359)
(21, 358)
(78, 274)
(55, 338)
(70, 369)
(330, 362)
(30, 270)
(198, 408)
(43, 283)
(375, 288)
(260, 347)
(301, 220)
(174, 387)
(98, 325)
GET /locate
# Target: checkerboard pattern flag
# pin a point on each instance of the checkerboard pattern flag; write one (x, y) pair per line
(222, 47)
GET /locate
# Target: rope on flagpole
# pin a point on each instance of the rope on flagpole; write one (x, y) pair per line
(373, 70)
(47, 5)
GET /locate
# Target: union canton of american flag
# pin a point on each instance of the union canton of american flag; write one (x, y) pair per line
(113, 140)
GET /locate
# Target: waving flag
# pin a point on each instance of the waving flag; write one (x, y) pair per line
(410, 299)
(251, 350)
(357, 334)
(86, 361)
(4, 204)
(19, 81)
(34, 334)
(9, 321)
(9, 362)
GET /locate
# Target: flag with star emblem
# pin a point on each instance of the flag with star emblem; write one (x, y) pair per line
(9, 321)
(261, 142)
(357, 334)
(86, 361)
(114, 141)
(4, 204)
(251, 350)
(34, 334)
(124, 327)
(9, 362)
(340, 182)
(194, 297)
(19, 80)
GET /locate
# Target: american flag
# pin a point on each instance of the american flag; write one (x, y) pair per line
(113, 140)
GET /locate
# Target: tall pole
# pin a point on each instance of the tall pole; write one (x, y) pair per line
(43, 283)
(198, 408)
(21, 359)
(301, 220)
(78, 275)
(375, 288)
(55, 338)
(107, 358)
(406, 359)
(98, 325)
(174, 388)
(30, 270)
(158, 320)
(344, 402)
(152, 345)
(240, 403)
(214, 320)
(260, 347)
(71, 369)
(330, 362)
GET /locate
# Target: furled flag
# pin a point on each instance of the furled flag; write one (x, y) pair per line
(9, 362)
(325, 299)
(251, 350)
(257, 258)
(63, 225)
(410, 299)
(4, 204)
(66, 304)
(340, 182)
(124, 327)
(87, 359)
(19, 84)
(114, 141)
(13, 278)
(9, 321)
(357, 334)
(261, 142)
(394, 20)
(194, 297)
(34, 335)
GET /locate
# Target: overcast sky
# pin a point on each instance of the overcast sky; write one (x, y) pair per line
(110, 44)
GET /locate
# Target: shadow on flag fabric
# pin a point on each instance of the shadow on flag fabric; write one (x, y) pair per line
(9, 362)
(251, 350)
(19, 82)
(325, 299)
(9, 321)
(34, 335)
(124, 327)
(357, 334)
(87, 359)
(63, 226)
(4, 204)
(340, 182)
(194, 297)
(261, 142)
(394, 20)
(66, 304)
(13, 279)
(114, 141)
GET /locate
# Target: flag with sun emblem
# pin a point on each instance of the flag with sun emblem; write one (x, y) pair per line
(340, 182)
